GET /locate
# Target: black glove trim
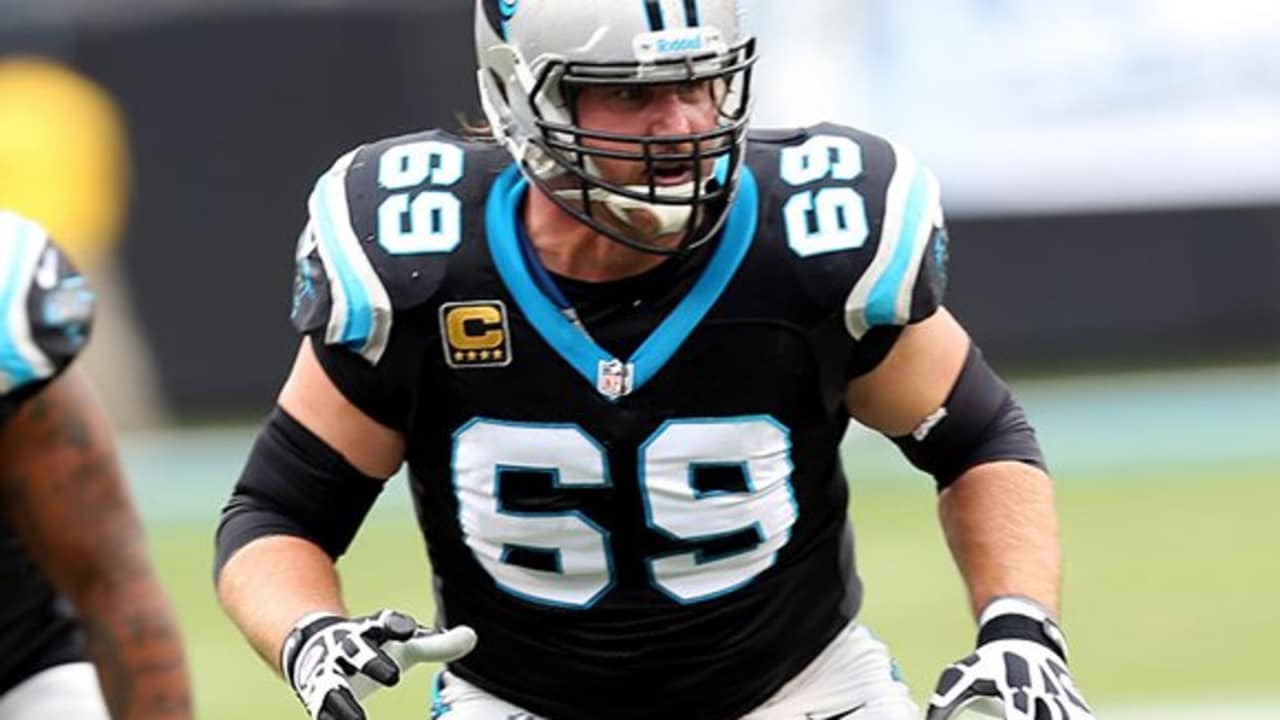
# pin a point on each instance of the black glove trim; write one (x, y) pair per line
(1021, 627)
(297, 639)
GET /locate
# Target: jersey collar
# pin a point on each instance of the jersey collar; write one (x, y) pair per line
(611, 376)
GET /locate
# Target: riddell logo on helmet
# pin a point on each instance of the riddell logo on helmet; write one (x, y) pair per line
(664, 43)
(688, 44)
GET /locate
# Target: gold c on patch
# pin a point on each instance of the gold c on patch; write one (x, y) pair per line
(475, 334)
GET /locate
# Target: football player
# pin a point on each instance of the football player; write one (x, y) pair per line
(618, 344)
(68, 531)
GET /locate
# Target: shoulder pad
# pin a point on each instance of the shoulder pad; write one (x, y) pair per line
(46, 307)
(383, 222)
(850, 199)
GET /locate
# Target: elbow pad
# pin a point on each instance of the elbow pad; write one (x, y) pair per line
(980, 422)
(294, 484)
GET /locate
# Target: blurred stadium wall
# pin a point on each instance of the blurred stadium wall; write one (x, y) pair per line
(63, 162)
(1112, 169)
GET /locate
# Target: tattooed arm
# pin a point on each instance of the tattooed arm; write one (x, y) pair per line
(62, 489)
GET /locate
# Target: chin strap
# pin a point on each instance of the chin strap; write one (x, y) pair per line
(667, 219)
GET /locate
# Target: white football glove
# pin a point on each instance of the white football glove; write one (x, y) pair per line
(333, 662)
(1018, 672)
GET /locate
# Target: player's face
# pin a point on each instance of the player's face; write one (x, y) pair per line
(654, 111)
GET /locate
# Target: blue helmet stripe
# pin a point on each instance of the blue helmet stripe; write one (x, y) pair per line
(507, 8)
(655, 15)
(691, 13)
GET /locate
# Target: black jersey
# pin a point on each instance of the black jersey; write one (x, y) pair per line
(656, 533)
(45, 310)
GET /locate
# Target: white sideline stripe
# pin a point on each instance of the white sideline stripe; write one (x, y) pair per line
(1193, 711)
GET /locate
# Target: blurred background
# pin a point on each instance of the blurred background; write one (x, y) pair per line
(1111, 171)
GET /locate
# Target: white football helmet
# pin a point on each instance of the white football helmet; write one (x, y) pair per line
(536, 55)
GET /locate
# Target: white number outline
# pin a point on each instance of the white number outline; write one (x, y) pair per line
(809, 163)
(668, 588)
(606, 482)
(435, 216)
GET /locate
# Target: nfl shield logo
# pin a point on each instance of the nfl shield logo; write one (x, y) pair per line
(614, 378)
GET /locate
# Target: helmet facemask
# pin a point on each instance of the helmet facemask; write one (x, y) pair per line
(561, 157)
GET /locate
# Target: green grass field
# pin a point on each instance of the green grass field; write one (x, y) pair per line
(1169, 589)
(1171, 563)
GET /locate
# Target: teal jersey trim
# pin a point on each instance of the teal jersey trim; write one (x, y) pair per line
(16, 367)
(358, 325)
(882, 302)
(569, 341)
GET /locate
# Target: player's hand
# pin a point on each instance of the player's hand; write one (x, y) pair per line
(332, 662)
(1018, 672)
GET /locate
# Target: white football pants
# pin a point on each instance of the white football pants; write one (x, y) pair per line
(63, 692)
(853, 679)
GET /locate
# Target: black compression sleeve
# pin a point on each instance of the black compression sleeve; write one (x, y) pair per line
(980, 422)
(294, 484)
